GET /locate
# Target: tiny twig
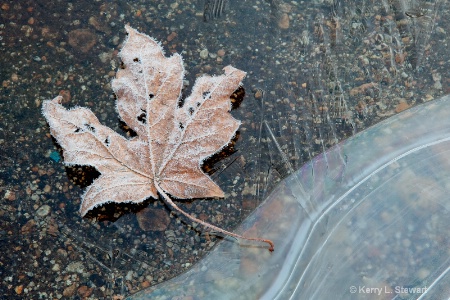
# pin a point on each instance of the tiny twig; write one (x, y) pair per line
(174, 206)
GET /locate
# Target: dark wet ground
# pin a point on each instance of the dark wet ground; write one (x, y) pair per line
(317, 73)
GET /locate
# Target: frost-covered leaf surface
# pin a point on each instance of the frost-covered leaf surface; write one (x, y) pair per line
(172, 141)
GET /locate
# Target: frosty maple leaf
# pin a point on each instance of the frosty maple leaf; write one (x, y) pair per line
(172, 141)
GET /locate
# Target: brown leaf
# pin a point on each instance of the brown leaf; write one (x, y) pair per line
(172, 141)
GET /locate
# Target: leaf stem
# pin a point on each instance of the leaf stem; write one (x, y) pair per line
(174, 206)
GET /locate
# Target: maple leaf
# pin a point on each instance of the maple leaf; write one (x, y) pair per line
(172, 141)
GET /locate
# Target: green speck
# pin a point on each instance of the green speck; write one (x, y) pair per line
(55, 156)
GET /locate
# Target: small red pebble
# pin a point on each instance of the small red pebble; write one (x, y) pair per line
(19, 289)
(171, 36)
(85, 291)
(65, 95)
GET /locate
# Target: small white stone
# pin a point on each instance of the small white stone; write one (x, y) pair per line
(76, 266)
(43, 210)
(56, 267)
(129, 275)
(204, 54)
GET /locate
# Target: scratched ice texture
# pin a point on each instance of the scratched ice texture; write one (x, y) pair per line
(366, 219)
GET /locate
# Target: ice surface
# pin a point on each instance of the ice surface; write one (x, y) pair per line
(376, 220)
(372, 212)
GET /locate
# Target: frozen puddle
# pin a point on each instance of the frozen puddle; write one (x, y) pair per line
(368, 219)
